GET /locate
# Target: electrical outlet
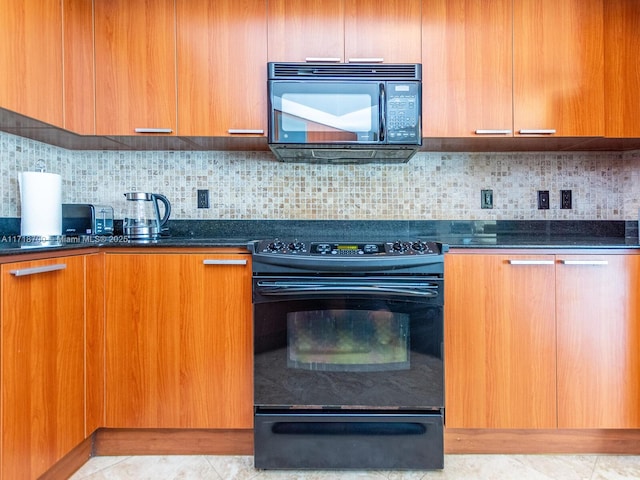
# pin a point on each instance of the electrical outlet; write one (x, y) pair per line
(203, 198)
(486, 198)
(565, 199)
(543, 199)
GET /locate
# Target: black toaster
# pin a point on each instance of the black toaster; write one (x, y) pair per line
(86, 219)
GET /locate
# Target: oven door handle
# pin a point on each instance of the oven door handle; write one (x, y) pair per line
(417, 289)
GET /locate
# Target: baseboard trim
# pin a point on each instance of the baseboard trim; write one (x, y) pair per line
(125, 441)
(596, 441)
(133, 441)
(71, 462)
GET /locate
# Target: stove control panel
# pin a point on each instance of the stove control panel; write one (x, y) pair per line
(302, 248)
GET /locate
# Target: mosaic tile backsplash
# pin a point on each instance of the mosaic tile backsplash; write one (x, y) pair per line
(252, 185)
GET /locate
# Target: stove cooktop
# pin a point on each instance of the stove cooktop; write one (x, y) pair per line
(341, 249)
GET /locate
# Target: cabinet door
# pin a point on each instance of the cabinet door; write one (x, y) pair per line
(384, 30)
(222, 71)
(42, 379)
(135, 66)
(31, 59)
(622, 76)
(500, 341)
(345, 30)
(467, 52)
(598, 341)
(179, 339)
(301, 30)
(79, 93)
(559, 67)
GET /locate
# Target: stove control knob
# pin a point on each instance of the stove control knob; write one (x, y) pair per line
(296, 246)
(419, 246)
(276, 246)
(400, 246)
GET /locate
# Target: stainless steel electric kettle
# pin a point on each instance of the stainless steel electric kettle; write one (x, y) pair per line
(144, 221)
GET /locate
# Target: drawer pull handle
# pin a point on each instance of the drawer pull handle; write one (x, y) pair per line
(366, 60)
(530, 262)
(35, 270)
(493, 132)
(584, 262)
(154, 130)
(224, 262)
(244, 131)
(550, 131)
(322, 60)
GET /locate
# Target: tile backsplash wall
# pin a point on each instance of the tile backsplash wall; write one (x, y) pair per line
(252, 185)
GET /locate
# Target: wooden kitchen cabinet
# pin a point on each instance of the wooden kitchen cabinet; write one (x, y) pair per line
(546, 55)
(558, 66)
(78, 66)
(179, 340)
(135, 59)
(344, 30)
(31, 59)
(499, 341)
(512, 332)
(622, 76)
(467, 68)
(222, 72)
(598, 317)
(42, 371)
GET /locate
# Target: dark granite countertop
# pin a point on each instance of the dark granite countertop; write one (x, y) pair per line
(457, 234)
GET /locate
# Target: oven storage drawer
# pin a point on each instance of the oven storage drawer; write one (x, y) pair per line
(293, 439)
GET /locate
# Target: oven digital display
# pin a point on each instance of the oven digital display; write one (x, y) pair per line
(347, 247)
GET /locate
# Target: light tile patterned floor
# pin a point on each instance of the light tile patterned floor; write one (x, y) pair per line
(457, 467)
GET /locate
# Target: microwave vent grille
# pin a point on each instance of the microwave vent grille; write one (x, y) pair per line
(355, 71)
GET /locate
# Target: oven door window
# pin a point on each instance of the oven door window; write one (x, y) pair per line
(325, 112)
(357, 352)
(344, 340)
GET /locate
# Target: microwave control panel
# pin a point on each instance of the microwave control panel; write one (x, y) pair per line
(403, 112)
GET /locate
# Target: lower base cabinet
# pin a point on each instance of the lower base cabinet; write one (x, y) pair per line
(542, 341)
(179, 340)
(43, 364)
(598, 321)
(499, 342)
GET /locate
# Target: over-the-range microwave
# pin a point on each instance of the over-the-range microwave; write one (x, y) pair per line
(344, 113)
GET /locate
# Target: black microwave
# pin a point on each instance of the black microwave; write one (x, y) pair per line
(346, 112)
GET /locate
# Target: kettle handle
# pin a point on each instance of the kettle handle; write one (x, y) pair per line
(167, 207)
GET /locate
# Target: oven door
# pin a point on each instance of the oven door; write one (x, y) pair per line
(320, 112)
(343, 342)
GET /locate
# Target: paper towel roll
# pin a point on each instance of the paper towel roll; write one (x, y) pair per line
(41, 204)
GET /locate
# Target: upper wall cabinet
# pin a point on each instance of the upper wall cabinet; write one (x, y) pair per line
(558, 71)
(135, 67)
(79, 92)
(504, 68)
(467, 68)
(222, 56)
(31, 59)
(622, 75)
(345, 30)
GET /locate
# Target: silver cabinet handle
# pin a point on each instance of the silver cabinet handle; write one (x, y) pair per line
(493, 132)
(322, 59)
(531, 262)
(366, 60)
(153, 130)
(224, 262)
(241, 131)
(550, 131)
(35, 270)
(584, 262)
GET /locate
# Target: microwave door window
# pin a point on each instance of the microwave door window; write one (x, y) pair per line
(320, 116)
